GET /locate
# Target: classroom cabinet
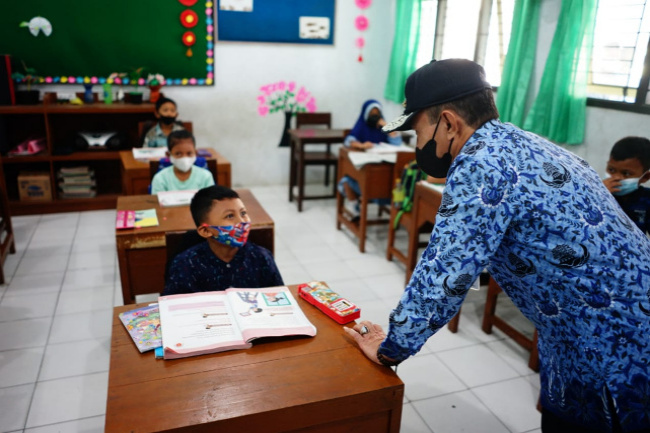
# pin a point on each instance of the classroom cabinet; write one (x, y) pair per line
(59, 125)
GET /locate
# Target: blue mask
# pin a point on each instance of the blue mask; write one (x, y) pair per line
(628, 186)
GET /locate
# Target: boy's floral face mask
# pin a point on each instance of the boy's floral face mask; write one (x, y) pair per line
(234, 235)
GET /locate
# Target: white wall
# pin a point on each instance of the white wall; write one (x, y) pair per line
(225, 116)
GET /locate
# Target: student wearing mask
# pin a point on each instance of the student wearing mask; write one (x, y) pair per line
(166, 114)
(182, 174)
(628, 167)
(364, 135)
(225, 259)
(550, 234)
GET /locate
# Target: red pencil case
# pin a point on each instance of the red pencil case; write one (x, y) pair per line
(329, 302)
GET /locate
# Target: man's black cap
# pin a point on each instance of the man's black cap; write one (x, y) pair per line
(437, 83)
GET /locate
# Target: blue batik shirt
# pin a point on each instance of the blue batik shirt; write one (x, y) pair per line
(198, 269)
(542, 222)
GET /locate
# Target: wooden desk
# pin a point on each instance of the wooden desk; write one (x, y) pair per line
(300, 139)
(289, 384)
(141, 252)
(426, 202)
(136, 177)
(375, 181)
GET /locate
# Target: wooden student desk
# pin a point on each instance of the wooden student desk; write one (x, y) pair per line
(141, 252)
(300, 158)
(136, 177)
(426, 202)
(375, 181)
(288, 384)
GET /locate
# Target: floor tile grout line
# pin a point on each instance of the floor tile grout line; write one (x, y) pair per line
(29, 241)
(64, 422)
(49, 332)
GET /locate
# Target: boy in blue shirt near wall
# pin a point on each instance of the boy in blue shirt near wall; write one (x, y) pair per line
(225, 259)
(627, 169)
(182, 174)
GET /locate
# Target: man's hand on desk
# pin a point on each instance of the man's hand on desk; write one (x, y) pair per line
(368, 337)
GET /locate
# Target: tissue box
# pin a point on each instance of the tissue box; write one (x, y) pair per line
(34, 186)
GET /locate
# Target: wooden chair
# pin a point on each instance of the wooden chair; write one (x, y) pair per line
(154, 166)
(490, 319)
(326, 158)
(145, 126)
(7, 241)
(407, 220)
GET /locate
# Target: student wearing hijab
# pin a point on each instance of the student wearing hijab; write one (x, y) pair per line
(364, 135)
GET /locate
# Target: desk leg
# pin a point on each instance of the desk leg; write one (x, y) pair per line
(363, 223)
(301, 176)
(127, 294)
(292, 169)
(327, 167)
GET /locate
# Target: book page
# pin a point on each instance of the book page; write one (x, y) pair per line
(176, 198)
(149, 153)
(435, 186)
(389, 148)
(198, 323)
(268, 312)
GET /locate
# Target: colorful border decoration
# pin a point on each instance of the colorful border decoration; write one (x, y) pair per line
(207, 81)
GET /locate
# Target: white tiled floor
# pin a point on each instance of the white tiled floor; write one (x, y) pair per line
(55, 324)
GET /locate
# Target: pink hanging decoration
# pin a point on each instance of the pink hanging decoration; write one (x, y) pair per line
(363, 4)
(360, 42)
(361, 23)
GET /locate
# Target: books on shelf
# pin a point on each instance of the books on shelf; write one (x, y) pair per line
(128, 219)
(176, 198)
(143, 324)
(76, 182)
(149, 153)
(210, 322)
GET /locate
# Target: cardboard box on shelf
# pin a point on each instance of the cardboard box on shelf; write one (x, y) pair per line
(34, 186)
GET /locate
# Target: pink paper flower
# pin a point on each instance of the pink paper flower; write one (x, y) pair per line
(263, 110)
(360, 42)
(363, 4)
(361, 23)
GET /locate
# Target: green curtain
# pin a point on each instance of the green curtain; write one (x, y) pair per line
(519, 62)
(559, 110)
(405, 47)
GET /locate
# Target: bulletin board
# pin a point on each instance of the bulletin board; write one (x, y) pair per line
(289, 21)
(89, 40)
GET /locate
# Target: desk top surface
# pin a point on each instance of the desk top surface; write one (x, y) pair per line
(130, 163)
(266, 383)
(179, 218)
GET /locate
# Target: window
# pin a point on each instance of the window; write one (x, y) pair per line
(620, 52)
(447, 30)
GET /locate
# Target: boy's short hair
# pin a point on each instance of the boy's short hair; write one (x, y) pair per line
(162, 100)
(174, 137)
(632, 147)
(204, 199)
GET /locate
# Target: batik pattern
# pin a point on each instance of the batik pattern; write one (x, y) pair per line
(546, 228)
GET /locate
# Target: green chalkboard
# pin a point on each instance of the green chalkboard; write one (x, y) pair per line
(92, 39)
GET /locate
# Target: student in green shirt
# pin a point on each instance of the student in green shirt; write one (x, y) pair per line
(182, 174)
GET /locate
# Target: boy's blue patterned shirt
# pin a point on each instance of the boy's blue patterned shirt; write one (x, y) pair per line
(548, 231)
(198, 269)
(637, 206)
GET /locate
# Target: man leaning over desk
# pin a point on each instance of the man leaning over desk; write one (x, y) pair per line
(548, 231)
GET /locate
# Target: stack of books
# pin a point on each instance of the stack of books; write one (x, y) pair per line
(76, 182)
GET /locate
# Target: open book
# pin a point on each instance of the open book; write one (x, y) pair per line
(381, 152)
(209, 322)
(149, 153)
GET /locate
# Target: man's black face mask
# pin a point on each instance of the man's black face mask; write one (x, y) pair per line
(429, 162)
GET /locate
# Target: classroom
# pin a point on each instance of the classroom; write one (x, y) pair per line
(319, 123)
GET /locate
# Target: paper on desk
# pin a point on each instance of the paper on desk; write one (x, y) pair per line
(382, 148)
(149, 153)
(176, 198)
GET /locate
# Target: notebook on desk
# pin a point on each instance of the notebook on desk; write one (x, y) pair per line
(149, 153)
(176, 198)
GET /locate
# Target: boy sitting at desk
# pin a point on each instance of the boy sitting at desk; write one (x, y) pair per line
(166, 114)
(182, 174)
(627, 168)
(225, 259)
